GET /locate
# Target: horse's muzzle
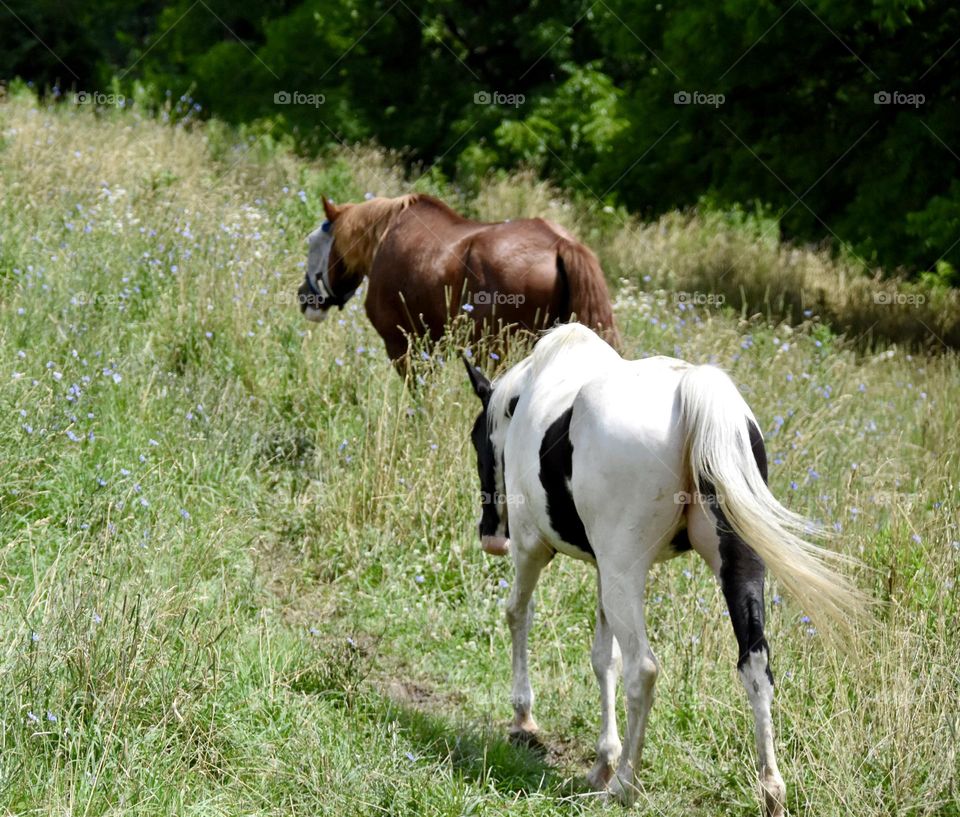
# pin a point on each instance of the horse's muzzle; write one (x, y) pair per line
(495, 545)
(307, 298)
(311, 303)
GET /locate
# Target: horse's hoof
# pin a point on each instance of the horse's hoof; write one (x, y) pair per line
(774, 796)
(528, 739)
(623, 793)
(599, 776)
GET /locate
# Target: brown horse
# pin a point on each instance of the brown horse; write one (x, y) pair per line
(425, 264)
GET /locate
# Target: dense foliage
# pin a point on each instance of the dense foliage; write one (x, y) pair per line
(783, 108)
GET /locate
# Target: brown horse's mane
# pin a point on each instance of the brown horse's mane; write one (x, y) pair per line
(361, 227)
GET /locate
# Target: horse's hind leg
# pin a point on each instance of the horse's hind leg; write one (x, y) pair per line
(741, 573)
(606, 660)
(623, 602)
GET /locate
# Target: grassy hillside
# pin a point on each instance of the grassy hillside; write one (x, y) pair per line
(239, 564)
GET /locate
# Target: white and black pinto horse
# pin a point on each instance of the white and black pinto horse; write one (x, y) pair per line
(624, 463)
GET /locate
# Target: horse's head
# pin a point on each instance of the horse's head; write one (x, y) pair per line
(323, 286)
(488, 435)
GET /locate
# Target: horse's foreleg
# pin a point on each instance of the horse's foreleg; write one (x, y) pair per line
(623, 593)
(529, 561)
(606, 659)
(741, 575)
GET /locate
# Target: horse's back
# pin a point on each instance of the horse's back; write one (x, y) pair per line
(431, 260)
(627, 469)
(630, 416)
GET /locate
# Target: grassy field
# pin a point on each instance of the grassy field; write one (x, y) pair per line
(239, 564)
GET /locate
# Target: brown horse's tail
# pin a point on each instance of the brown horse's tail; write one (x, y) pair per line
(588, 297)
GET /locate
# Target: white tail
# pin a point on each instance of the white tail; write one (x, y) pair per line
(715, 418)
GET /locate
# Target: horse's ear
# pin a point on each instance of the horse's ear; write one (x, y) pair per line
(481, 385)
(331, 210)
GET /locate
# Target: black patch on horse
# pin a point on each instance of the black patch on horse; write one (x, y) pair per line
(681, 542)
(759, 451)
(512, 405)
(741, 570)
(486, 462)
(556, 468)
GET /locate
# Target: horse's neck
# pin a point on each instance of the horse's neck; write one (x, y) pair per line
(359, 257)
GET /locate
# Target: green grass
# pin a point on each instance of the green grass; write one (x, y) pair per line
(238, 559)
